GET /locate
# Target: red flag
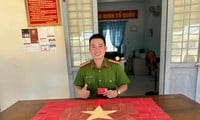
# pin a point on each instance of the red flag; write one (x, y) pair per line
(102, 109)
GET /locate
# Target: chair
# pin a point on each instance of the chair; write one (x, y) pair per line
(151, 64)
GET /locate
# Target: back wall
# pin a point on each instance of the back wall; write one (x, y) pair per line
(28, 75)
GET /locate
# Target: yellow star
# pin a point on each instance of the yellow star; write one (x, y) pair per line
(99, 113)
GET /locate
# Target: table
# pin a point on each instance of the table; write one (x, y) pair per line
(177, 106)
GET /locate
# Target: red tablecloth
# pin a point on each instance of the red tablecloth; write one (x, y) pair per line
(102, 109)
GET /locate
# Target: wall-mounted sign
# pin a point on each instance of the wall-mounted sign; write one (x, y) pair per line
(116, 15)
(43, 12)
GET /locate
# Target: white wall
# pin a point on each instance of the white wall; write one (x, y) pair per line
(152, 22)
(28, 75)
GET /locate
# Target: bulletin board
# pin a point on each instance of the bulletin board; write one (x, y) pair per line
(43, 12)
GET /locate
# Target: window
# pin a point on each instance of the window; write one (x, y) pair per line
(186, 31)
(110, 47)
(80, 27)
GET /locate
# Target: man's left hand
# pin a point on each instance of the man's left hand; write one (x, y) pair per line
(111, 93)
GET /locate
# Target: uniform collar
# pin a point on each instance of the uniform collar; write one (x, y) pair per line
(104, 64)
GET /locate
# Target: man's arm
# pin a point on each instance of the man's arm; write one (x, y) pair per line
(82, 92)
(122, 89)
(115, 93)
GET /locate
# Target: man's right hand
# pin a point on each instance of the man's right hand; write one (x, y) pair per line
(84, 93)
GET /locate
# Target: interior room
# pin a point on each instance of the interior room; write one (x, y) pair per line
(142, 34)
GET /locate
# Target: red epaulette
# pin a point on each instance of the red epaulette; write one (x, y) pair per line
(84, 63)
(113, 61)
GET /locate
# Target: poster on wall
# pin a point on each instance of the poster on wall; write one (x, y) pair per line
(43, 12)
(39, 39)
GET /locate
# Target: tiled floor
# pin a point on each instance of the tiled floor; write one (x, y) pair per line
(140, 85)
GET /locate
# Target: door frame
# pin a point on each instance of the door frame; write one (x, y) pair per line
(163, 46)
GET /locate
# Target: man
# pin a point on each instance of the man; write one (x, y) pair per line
(100, 76)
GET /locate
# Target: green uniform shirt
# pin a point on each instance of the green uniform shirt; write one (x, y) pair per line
(109, 76)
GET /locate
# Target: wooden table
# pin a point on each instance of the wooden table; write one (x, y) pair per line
(178, 107)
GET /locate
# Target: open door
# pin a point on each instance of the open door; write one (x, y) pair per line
(80, 22)
(182, 54)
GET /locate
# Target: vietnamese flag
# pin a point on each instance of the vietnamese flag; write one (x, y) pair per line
(102, 109)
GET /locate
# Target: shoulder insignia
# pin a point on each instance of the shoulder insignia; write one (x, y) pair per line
(84, 63)
(113, 61)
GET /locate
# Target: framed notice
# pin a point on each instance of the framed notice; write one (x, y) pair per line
(43, 12)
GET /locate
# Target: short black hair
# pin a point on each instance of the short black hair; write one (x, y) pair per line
(97, 36)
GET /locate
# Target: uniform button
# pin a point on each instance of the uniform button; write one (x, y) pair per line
(99, 70)
(110, 80)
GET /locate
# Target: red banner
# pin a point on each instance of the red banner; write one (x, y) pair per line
(116, 15)
(93, 109)
(42, 12)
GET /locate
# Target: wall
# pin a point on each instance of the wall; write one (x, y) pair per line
(152, 42)
(28, 75)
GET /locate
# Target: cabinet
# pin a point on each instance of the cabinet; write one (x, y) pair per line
(139, 66)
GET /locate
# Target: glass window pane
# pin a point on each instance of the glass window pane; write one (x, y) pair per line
(186, 31)
(76, 49)
(179, 16)
(87, 15)
(72, 7)
(194, 30)
(72, 1)
(195, 1)
(176, 58)
(73, 22)
(179, 2)
(179, 9)
(75, 42)
(187, 2)
(193, 51)
(80, 19)
(194, 37)
(195, 7)
(185, 37)
(178, 24)
(177, 38)
(176, 45)
(87, 7)
(73, 15)
(176, 52)
(87, 1)
(74, 29)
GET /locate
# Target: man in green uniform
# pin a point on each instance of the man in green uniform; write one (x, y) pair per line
(100, 76)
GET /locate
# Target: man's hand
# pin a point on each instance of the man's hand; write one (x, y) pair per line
(111, 93)
(84, 93)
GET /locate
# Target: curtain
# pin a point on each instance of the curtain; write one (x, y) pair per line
(116, 29)
(103, 26)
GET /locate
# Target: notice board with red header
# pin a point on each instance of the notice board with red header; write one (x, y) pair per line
(43, 12)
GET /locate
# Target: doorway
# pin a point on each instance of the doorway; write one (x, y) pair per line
(141, 35)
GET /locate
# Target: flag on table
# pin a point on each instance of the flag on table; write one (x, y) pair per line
(102, 109)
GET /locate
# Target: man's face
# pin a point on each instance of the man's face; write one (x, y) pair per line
(97, 48)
